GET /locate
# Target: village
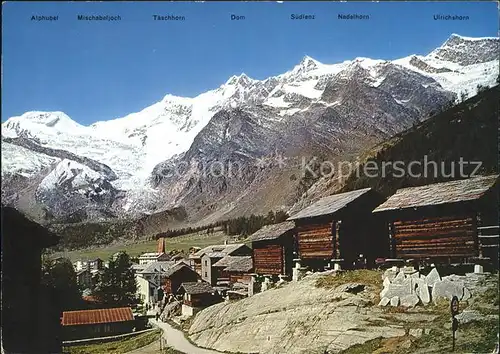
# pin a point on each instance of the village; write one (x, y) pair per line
(451, 227)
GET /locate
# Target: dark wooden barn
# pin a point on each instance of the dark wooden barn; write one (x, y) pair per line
(30, 321)
(176, 275)
(97, 323)
(198, 294)
(449, 221)
(272, 248)
(234, 269)
(340, 227)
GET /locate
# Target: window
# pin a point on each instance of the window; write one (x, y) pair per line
(206, 263)
(206, 275)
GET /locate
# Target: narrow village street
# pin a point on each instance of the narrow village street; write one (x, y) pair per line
(175, 339)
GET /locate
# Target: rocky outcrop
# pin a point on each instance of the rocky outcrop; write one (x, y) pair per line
(296, 317)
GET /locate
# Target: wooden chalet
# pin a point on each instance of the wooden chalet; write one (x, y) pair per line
(449, 221)
(204, 259)
(97, 323)
(340, 228)
(272, 248)
(197, 295)
(30, 310)
(176, 275)
(234, 269)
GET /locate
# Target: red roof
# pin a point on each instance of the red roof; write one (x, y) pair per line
(83, 317)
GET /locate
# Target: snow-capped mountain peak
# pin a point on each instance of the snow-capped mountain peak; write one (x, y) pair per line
(242, 79)
(306, 64)
(36, 122)
(466, 50)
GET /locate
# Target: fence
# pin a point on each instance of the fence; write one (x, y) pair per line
(104, 339)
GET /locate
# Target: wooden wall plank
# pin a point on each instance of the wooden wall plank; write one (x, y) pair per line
(430, 237)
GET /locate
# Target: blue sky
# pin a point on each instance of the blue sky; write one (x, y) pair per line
(98, 70)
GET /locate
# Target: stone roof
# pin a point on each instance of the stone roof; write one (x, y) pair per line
(197, 287)
(439, 193)
(224, 262)
(155, 267)
(240, 264)
(174, 269)
(272, 232)
(235, 263)
(329, 205)
(217, 251)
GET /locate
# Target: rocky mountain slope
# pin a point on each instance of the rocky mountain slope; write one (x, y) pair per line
(178, 151)
(467, 131)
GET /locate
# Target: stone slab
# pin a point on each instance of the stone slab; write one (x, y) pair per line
(384, 301)
(432, 277)
(411, 300)
(447, 289)
(395, 301)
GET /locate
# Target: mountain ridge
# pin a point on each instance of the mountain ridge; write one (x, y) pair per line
(313, 107)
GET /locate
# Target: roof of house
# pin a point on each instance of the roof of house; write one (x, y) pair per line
(155, 267)
(197, 287)
(329, 205)
(16, 223)
(175, 268)
(241, 264)
(85, 317)
(215, 251)
(439, 193)
(272, 232)
(235, 263)
(138, 267)
(224, 262)
(152, 255)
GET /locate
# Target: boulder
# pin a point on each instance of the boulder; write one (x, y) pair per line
(390, 274)
(447, 289)
(432, 277)
(384, 301)
(386, 282)
(419, 282)
(399, 278)
(409, 300)
(170, 310)
(415, 274)
(395, 301)
(423, 293)
(410, 284)
(469, 316)
(467, 295)
(396, 290)
(416, 332)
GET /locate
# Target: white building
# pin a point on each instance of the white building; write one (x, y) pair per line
(150, 280)
(81, 265)
(151, 257)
